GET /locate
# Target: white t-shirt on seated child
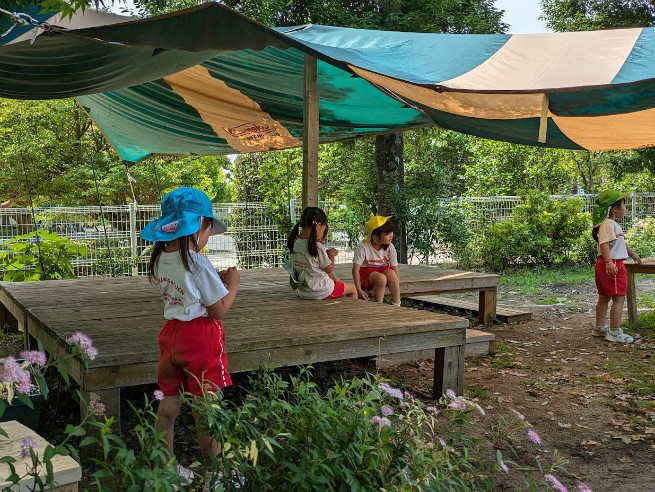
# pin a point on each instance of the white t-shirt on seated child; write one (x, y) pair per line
(317, 284)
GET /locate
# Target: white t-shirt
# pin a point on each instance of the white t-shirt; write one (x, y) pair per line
(367, 256)
(317, 284)
(610, 232)
(185, 294)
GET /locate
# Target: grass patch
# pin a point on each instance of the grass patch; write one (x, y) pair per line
(646, 300)
(548, 300)
(532, 280)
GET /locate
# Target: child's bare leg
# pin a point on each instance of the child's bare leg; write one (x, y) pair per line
(394, 285)
(349, 290)
(169, 409)
(601, 310)
(616, 312)
(378, 282)
(208, 445)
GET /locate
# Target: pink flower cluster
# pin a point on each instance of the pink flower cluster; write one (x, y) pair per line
(13, 373)
(95, 406)
(28, 443)
(34, 357)
(383, 421)
(462, 403)
(395, 392)
(84, 344)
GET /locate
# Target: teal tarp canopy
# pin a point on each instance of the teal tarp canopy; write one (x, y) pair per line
(207, 80)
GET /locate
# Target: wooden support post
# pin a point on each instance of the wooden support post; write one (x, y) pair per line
(631, 297)
(448, 370)
(111, 399)
(487, 306)
(310, 135)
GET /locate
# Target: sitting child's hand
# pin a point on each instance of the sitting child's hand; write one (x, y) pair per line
(363, 295)
(230, 276)
(332, 252)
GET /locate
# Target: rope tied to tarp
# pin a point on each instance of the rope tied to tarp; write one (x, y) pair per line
(21, 19)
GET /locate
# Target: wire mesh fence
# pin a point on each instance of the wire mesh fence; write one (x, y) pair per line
(256, 236)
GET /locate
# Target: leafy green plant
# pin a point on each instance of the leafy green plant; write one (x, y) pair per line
(39, 255)
(542, 231)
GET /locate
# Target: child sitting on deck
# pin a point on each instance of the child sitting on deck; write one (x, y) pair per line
(375, 262)
(310, 258)
(192, 341)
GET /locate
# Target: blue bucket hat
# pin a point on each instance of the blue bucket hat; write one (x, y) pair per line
(181, 214)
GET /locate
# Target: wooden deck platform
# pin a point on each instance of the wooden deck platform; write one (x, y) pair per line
(503, 313)
(267, 324)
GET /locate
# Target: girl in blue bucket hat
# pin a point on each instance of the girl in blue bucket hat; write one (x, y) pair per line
(192, 342)
(610, 273)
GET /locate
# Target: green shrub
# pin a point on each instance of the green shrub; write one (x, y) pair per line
(585, 249)
(291, 436)
(437, 226)
(542, 231)
(641, 237)
(45, 256)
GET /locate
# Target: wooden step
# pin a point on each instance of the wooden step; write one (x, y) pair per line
(478, 344)
(503, 313)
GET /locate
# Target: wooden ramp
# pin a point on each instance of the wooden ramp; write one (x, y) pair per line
(503, 313)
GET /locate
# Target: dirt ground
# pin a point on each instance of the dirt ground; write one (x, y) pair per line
(584, 396)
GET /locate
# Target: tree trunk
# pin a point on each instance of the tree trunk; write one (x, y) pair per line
(390, 180)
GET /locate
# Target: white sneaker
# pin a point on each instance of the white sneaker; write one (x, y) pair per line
(618, 336)
(601, 330)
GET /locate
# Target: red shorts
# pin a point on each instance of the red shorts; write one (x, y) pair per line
(611, 285)
(192, 357)
(338, 291)
(365, 274)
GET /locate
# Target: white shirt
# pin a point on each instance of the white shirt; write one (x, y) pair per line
(185, 294)
(610, 232)
(317, 284)
(367, 256)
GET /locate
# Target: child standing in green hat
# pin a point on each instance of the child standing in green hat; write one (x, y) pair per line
(611, 277)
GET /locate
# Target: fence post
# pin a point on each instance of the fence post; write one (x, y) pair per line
(133, 207)
(634, 205)
(292, 211)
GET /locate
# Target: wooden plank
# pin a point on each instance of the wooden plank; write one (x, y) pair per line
(66, 471)
(503, 313)
(647, 266)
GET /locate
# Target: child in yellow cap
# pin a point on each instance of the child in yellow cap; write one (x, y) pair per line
(375, 262)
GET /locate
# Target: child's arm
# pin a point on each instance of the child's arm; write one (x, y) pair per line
(230, 278)
(331, 253)
(358, 282)
(610, 267)
(633, 255)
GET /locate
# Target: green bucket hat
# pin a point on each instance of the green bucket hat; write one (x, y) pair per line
(604, 200)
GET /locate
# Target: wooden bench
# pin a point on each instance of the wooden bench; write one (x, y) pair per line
(66, 471)
(267, 325)
(503, 313)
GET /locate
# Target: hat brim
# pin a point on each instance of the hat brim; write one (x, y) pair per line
(173, 226)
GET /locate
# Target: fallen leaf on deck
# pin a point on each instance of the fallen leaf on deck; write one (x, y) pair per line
(625, 459)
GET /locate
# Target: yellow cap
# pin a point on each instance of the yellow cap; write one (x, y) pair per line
(373, 223)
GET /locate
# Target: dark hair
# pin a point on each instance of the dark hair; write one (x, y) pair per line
(309, 218)
(385, 228)
(184, 243)
(594, 231)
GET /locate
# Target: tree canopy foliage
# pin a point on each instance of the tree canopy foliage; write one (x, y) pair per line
(589, 15)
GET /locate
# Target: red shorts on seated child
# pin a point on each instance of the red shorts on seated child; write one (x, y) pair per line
(193, 357)
(339, 289)
(365, 274)
(611, 285)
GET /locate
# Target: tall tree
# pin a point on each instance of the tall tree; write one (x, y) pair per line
(589, 15)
